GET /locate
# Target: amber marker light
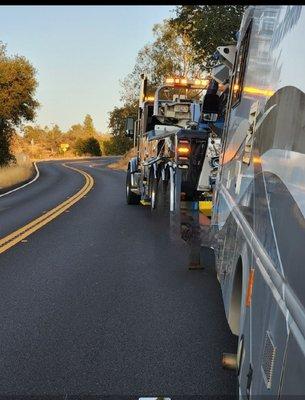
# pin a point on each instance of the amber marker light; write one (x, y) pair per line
(183, 149)
(256, 160)
(250, 287)
(258, 91)
(184, 82)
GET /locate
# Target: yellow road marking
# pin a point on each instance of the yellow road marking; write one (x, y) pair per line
(21, 233)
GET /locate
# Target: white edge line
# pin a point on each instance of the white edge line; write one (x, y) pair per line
(26, 184)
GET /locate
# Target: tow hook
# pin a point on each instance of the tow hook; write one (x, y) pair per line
(229, 361)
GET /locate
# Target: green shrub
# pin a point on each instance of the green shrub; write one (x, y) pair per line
(117, 145)
(88, 146)
(92, 146)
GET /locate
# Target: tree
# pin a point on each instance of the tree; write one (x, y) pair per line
(88, 126)
(93, 146)
(117, 145)
(207, 26)
(53, 138)
(75, 132)
(170, 54)
(17, 88)
(79, 146)
(6, 134)
(117, 118)
(34, 134)
(89, 146)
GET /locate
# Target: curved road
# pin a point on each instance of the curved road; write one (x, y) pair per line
(99, 301)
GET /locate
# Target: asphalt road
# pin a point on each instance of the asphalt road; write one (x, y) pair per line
(100, 301)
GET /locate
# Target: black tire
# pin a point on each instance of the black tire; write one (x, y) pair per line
(131, 197)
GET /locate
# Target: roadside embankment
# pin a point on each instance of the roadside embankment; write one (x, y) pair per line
(122, 163)
(16, 173)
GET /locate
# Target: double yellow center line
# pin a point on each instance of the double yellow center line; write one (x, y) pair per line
(20, 234)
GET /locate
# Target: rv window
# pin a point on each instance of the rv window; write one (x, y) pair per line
(240, 68)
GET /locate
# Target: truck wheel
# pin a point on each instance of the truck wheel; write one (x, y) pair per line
(163, 196)
(131, 198)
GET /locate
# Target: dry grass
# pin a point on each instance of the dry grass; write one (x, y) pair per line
(16, 173)
(123, 162)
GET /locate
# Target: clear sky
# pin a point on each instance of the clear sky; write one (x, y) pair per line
(80, 53)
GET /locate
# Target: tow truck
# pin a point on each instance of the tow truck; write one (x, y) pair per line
(178, 141)
(165, 140)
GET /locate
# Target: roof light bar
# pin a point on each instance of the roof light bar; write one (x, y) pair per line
(196, 84)
(170, 80)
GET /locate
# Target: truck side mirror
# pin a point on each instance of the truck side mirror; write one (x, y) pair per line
(129, 127)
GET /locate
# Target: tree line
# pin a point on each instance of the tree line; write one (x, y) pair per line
(80, 139)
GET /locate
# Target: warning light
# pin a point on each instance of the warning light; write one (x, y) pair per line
(183, 149)
(195, 84)
(169, 80)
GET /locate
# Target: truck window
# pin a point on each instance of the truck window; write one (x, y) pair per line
(150, 119)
